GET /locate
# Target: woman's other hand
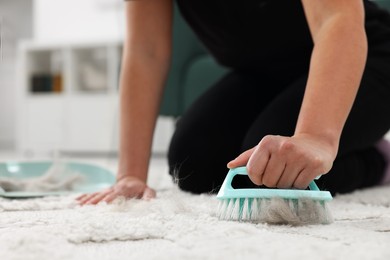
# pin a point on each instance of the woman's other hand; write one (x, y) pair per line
(286, 162)
(128, 187)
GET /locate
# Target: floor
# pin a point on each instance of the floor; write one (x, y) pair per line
(178, 225)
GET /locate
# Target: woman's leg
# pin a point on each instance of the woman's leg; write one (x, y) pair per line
(210, 133)
(215, 130)
(358, 164)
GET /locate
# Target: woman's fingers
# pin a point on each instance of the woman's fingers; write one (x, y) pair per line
(149, 194)
(286, 162)
(110, 197)
(274, 170)
(257, 165)
(81, 196)
(295, 164)
(289, 176)
(98, 197)
(86, 197)
(303, 179)
(129, 187)
(265, 160)
(93, 198)
(241, 160)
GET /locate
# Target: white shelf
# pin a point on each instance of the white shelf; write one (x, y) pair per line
(83, 115)
(90, 66)
(78, 114)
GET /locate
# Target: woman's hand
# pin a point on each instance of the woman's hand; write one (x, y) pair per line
(286, 162)
(128, 187)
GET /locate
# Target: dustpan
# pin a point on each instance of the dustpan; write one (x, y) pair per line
(95, 178)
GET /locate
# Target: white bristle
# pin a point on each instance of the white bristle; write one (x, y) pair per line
(221, 208)
(293, 205)
(236, 210)
(229, 209)
(224, 208)
(245, 215)
(255, 209)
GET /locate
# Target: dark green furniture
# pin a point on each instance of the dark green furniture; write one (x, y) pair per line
(384, 3)
(193, 70)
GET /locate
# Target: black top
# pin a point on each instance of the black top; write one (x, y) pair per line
(268, 35)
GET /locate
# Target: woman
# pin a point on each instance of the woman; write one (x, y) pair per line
(308, 94)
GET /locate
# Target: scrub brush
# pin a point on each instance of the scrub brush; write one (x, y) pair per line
(273, 206)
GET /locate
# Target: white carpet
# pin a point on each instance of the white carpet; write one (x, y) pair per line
(178, 226)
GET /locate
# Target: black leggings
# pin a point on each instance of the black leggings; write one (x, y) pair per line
(240, 109)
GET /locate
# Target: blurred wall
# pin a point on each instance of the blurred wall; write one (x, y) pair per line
(16, 21)
(48, 21)
(78, 20)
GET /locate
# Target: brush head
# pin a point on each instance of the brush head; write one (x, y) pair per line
(303, 211)
(274, 206)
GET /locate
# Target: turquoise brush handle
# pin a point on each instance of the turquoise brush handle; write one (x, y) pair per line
(232, 173)
(242, 171)
(228, 192)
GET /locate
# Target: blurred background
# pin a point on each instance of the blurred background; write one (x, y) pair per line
(59, 75)
(59, 71)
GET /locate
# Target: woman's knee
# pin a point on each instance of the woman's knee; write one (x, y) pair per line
(355, 170)
(194, 165)
(193, 174)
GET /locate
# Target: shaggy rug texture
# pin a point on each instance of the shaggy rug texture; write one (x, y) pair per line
(178, 225)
